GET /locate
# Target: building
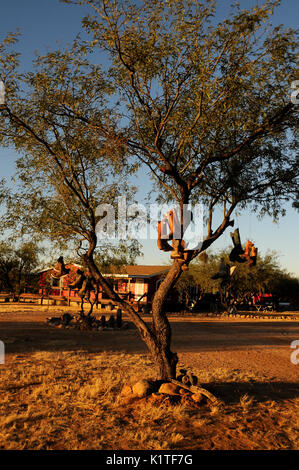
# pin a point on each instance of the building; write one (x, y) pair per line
(135, 283)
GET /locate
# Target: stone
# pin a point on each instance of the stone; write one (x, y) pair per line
(142, 388)
(197, 397)
(183, 391)
(169, 388)
(126, 391)
(186, 380)
(193, 379)
(53, 321)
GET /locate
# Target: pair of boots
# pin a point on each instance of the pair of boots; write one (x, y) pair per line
(177, 250)
(237, 251)
(60, 269)
(162, 242)
(238, 254)
(172, 222)
(252, 256)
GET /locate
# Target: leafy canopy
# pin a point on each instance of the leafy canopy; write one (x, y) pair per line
(206, 101)
(66, 167)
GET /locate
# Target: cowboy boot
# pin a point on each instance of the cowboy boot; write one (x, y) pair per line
(237, 250)
(253, 256)
(247, 250)
(162, 242)
(60, 269)
(223, 272)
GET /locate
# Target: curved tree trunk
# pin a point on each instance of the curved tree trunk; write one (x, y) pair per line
(157, 337)
(166, 360)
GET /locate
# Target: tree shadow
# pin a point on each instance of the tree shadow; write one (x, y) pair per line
(231, 392)
(30, 337)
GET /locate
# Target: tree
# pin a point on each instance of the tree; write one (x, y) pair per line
(265, 277)
(204, 105)
(196, 282)
(17, 265)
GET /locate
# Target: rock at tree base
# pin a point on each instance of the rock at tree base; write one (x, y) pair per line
(159, 392)
(169, 389)
(126, 391)
(197, 397)
(143, 388)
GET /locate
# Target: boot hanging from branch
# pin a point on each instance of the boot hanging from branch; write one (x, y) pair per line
(170, 227)
(238, 254)
(237, 251)
(223, 272)
(60, 269)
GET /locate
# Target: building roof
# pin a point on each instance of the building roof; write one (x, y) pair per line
(50, 268)
(138, 271)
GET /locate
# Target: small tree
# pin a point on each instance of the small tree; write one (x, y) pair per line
(17, 265)
(203, 105)
(265, 277)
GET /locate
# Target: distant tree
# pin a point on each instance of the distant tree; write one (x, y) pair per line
(117, 257)
(266, 277)
(203, 104)
(7, 266)
(285, 286)
(198, 278)
(17, 266)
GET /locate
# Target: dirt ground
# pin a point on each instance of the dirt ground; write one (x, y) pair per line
(235, 358)
(252, 345)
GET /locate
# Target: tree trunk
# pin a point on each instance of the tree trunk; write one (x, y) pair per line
(166, 360)
(157, 338)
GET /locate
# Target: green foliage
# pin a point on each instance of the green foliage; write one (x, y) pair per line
(66, 167)
(116, 256)
(199, 275)
(207, 103)
(17, 265)
(266, 277)
(203, 102)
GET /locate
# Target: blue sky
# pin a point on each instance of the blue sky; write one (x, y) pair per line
(48, 24)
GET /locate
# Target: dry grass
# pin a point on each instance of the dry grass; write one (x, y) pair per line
(70, 400)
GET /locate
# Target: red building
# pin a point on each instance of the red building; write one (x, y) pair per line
(135, 283)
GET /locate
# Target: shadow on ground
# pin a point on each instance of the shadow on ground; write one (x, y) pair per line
(29, 336)
(232, 392)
